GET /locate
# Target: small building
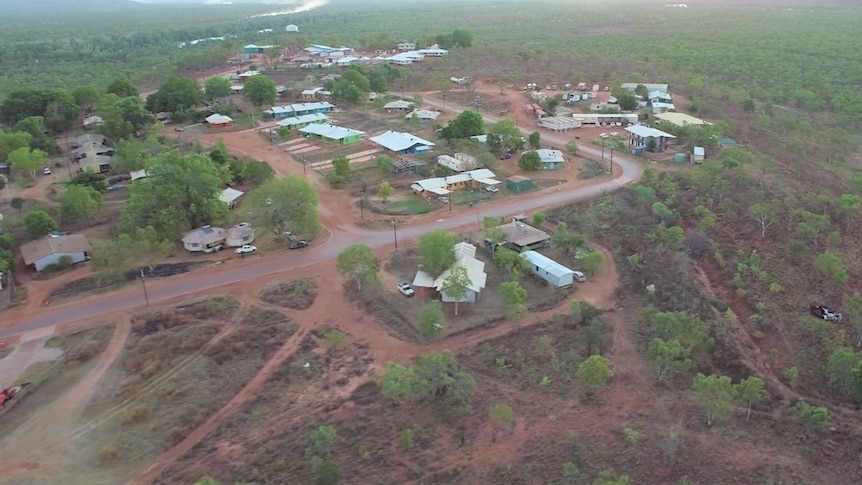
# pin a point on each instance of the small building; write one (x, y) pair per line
(465, 256)
(229, 196)
(219, 121)
(559, 124)
(549, 270)
(659, 96)
(725, 142)
(551, 159)
(299, 109)
(95, 163)
(519, 183)
(659, 107)
(92, 122)
(679, 119)
(478, 178)
(247, 74)
(423, 115)
(44, 252)
(138, 174)
(599, 119)
(698, 154)
(240, 235)
(88, 139)
(205, 239)
(332, 133)
(459, 162)
(398, 106)
(399, 142)
(644, 137)
(520, 236)
(632, 87)
(315, 93)
(297, 122)
(405, 46)
(433, 51)
(256, 49)
(291, 29)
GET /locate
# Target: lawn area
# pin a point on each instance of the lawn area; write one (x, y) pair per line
(409, 206)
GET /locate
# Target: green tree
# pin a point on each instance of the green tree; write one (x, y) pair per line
(535, 140)
(530, 161)
(436, 251)
(538, 219)
(690, 331)
(456, 285)
(748, 105)
(502, 415)
(38, 130)
(206, 480)
(259, 91)
(750, 392)
(764, 214)
(133, 111)
(385, 164)
(341, 164)
(358, 262)
(26, 160)
(514, 297)
(594, 371)
(11, 141)
(715, 394)
(86, 97)
(486, 159)
(39, 223)
(829, 265)
(840, 367)
(505, 135)
(55, 106)
(591, 262)
(511, 262)
(95, 181)
(431, 318)
(122, 88)
(436, 376)
(285, 204)
(466, 124)
(175, 95)
(321, 439)
(627, 101)
(79, 203)
(110, 260)
(385, 190)
(668, 357)
(405, 439)
(811, 415)
(326, 472)
(571, 148)
(606, 477)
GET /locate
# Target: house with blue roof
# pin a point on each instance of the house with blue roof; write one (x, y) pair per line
(299, 109)
(399, 142)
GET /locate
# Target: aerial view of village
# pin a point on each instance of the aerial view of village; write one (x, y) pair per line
(459, 242)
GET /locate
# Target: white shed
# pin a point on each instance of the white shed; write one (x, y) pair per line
(549, 270)
(459, 162)
(697, 155)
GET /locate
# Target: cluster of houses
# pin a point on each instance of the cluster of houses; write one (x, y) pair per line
(405, 54)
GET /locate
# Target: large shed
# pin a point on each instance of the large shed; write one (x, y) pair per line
(44, 252)
(519, 183)
(556, 274)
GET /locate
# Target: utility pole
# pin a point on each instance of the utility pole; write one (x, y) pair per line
(612, 161)
(395, 232)
(69, 160)
(362, 205)
(603, 149)
(450, 203)
(304, 174)
(144, 283)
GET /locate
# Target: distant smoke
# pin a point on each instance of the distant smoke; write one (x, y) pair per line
(305, 6)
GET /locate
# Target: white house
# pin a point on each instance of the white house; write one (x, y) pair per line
(559, 124)
(459, 162)
(642, 136)
(205, 239)
(229, 196)
(423, 115)
(549, 270)
(433, 51)
(44, 252)
(405, 46)
(402, 142)
(240, 235)
(399, 105)
(465, 256)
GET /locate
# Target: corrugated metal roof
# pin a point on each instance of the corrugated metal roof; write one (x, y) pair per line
(397, 141)
(546, 263)
(647, 132)
(330, 131)
(699, 151)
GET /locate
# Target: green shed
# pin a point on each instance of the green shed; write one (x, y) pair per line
(519, 183)
(680, 158)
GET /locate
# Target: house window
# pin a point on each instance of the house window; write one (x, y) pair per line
(195, 245)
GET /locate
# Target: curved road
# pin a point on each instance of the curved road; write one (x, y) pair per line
(342, 236)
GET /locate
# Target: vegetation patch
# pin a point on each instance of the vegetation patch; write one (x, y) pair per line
(92, 284)
(297, 294)
(404, 207)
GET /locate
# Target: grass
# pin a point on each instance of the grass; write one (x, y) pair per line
(409, 206)
(297, 294)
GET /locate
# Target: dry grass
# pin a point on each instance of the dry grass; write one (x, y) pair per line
(109, 453)
(297, 294)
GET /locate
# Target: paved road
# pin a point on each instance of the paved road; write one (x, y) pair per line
(341, 238)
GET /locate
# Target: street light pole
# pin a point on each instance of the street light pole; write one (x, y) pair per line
(395, 232)
(144, 283)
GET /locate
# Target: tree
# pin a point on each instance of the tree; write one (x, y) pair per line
(95, 181)
(385, 190)
(55, 106)
(591, 262)
(502, 415)
(122, 88)
(341, 164)
(175, 95)
(486, 159)
(829, 265)
(511, 262)
(39, 223)
(321, 439)
(690, 331)
(259, 91)
(538, 219)
(811, 415)
(750, 392)
(606, 477)
(326, 472)
(133, 111)
(78, 203)
(748, 105)
(27, 160)
(514, 297)
(181, 193)
(285, 204)
(86, 97)
(764, 215)
(206, 480)
(535, 140)
(436, 251)
(11, 141)
(39, 137)
(849, 205)
(715, 394)
(110, 260)
(594, 371)
(505, 135)
(466, 124)
(456, 285)
(17, 203)
(358, 262)
(385, 164)
(436, 376)
(669, 356)
(571, 148)
(530, 162)
(627, 101)
(431, 318)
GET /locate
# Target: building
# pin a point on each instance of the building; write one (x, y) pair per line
(478, 178)
(315, 93)
(399, 142)
(297, 122)
(660, 107)
(423, 115)
(651, 139)
(405, 46)
(679, 119)
(88, 139)
(519, 183)
(465, 256)
(549, 270)
(91, 150)
(92, 122)
(332, 133)
(551, 159)
(239, 235)
(95, 163)
(247, 74)
(205, 239)
(229, 196)
(698, 154)
(256, 49)
(433, 51)
(299, 109)
(520, 236)
(404, 58)
(318, 50)
(44, 252)
(398, 106)
(649, 87)
(219, 121)
(598, 119)
(559, 124)
(291, 29)
(725, 142)
(459, 162)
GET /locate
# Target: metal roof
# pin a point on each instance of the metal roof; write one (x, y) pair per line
(39, 249)
(647, 132)
(302, 119)
(465, 256)
(699, 151)
(229, 195)
(330, 131)
(218, 119)
(550, 156)
(398, 141)
(681, 119)
(552, 267)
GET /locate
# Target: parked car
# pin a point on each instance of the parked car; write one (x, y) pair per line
(492, 188)
(506, 156)
(580, 277)
(116, 187)
(297, 244)
(179, 128)
(46, 171)
(245, 249)
(406, 289)
(58, 233)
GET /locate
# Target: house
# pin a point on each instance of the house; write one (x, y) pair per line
(459, 162)
(88, 139)
(659, 107)
(644, 137)
(433, 51)
(256, 49)
(332, 133)
(398, 106)
(229, 196)
(326, 51)
(518, 235)
(239, 235)
(291, 29)
(405, 46)
(404, 58)
(598, 119)
(91, 150)
(659, 96)
(649, 87)
(679, 119)
(95, 163)
(443, 185)
(247, 74)
(465, 256)
(698, 154)
(402, 142)
(299, 109)
(423, 115)
(219, 121)
(315, 93)
(519, 183)
(44, 252)
(551, 159)
(297, 122)
(549, 270)
(346, 61)
(206, 239)
(92, 121)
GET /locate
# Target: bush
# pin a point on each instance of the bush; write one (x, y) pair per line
(109, 453)
(65, 261)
